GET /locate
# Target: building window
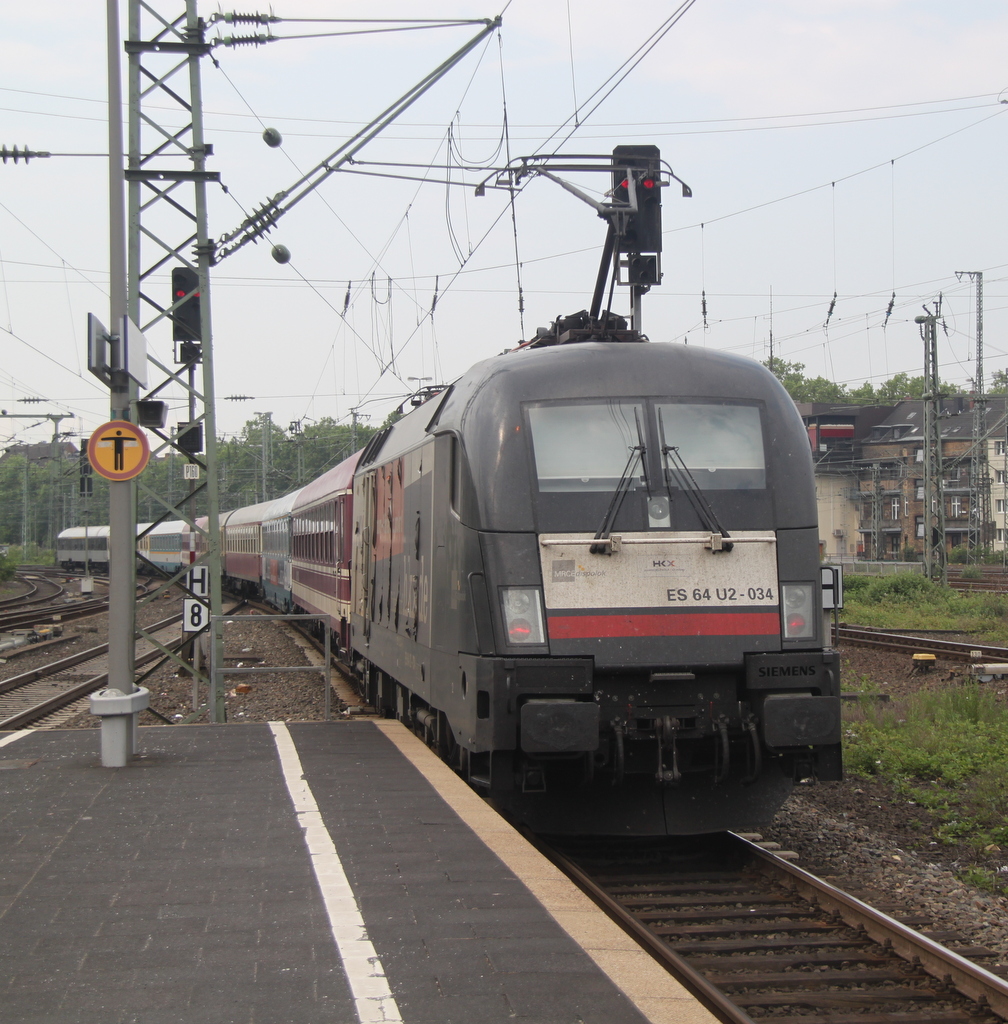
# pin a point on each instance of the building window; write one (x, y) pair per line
(999, 447)
(999, 476)
(919, 523)
(1001, 505)
(1000, 536)
(956, 506)
(895, 508)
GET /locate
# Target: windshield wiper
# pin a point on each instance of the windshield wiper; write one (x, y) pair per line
(638, 451)
(672, 463)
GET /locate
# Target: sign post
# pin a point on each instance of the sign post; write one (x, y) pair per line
(832, 597)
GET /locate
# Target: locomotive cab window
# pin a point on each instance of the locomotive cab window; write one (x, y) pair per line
(587, 446)
(636, 463)
(720, 445)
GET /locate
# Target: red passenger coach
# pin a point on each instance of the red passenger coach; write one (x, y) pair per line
(321, 543)
(241, 541)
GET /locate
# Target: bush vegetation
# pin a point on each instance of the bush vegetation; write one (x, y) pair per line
(8, 566)
(946, 749)
(911, 601)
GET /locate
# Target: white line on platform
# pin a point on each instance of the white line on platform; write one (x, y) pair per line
(15, 736)
(373, 999)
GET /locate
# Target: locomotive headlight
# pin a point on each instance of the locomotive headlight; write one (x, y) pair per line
(799, 620)
(523, 619)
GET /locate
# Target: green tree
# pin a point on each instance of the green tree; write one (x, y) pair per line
(998, 383)
(8, 566)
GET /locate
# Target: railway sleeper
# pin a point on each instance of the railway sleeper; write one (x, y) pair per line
(786, 979)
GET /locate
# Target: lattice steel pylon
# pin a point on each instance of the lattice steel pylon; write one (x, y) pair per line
(979, 478)
(876, 512)
(167, 227)
(935, 562)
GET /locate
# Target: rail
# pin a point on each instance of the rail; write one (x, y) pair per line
(746, 931)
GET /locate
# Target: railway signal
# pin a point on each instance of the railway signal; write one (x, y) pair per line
(637, 185)
(186, 300)
(86, 480)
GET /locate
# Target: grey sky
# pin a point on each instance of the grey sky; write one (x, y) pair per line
(845, 146)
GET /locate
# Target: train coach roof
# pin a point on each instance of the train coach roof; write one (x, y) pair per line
(246, 515)
(77, 532)
(172, 526)
(333, 481)
(280, 507)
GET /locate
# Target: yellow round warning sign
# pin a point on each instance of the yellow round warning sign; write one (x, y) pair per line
(118, 450)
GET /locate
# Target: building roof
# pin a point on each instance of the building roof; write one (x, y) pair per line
(40, 452)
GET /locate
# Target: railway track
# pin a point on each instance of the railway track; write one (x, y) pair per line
(341, 681)
(993, 579)
(21, 619)
(955, 650)
(39, 697)
(41, 589)
(754, 936)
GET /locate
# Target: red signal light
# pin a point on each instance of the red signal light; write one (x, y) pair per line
(648, 183)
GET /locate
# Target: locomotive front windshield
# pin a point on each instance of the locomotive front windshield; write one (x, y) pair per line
(722, 445)
(586, 446)
(648, 458)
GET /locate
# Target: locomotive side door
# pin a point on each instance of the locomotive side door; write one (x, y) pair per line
(418, 542)
(363, 574)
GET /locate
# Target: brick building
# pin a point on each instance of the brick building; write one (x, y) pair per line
(870, 477)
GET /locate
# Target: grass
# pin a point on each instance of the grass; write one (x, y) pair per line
(909, 601)
(946, 750)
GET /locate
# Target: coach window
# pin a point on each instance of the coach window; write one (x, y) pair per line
(331, 533)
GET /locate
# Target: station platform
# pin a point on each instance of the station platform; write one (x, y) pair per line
(290, 874)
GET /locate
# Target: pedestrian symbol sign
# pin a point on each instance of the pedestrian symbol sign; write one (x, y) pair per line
(118, 450)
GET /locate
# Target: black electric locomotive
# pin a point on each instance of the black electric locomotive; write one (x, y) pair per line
(589, 572)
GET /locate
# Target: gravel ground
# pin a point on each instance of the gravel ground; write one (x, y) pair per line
(857, 833)
(259, 697)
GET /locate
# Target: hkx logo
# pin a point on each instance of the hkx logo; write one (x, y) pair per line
(661, 564)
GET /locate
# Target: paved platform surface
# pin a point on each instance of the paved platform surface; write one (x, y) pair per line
(323, 872)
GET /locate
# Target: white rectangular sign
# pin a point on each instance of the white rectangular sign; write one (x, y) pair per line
(195, 615)
(190, 471)
(198, 580)
(832, 587)
(660, 570)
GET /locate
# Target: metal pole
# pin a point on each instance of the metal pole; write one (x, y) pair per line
(204, 248)
(24, 510)
(636, 293)
(196, 668)
(327, 675)
(935, 561)
(122, 522)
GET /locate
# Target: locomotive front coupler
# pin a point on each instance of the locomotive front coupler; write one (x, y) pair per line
(665, 732)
